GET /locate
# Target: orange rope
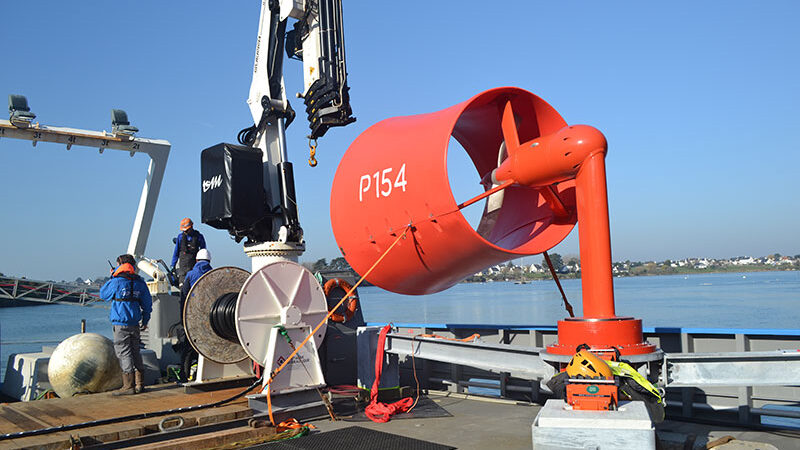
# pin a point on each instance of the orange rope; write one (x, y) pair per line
(292, 424)
(319, 325)
(269, 405)
(466, 339)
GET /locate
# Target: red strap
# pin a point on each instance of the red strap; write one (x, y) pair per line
(382, 412)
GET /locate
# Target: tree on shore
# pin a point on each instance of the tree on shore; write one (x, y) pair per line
(558, 262)
(339, 264)
(321, 264)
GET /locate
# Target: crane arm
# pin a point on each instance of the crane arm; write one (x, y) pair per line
(316, 38)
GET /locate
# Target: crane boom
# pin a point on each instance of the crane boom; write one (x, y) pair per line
(316, 38)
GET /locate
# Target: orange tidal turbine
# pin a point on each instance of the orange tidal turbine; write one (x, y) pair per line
(394, 176)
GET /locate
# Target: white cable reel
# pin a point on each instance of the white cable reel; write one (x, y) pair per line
(283, 294)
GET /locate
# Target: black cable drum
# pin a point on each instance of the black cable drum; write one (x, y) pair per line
(222, 316)
(197, 315)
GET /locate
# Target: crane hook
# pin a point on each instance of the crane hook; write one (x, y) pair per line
(312, 146)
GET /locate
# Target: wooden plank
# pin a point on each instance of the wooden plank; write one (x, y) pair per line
(251, 436)
(54, 415)
(104, 406)
(129, 429)
(46, 442)
(7, 424)
(21, 420)
(58, 411)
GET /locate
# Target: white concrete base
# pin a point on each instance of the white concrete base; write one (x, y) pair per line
(26, 375)
(557, 426)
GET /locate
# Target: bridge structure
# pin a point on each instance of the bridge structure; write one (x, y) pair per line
(15, 290)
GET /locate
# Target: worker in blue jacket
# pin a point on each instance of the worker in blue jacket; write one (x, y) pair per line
(202, 266)
(187, 244)
(188, 354)
(131, 306)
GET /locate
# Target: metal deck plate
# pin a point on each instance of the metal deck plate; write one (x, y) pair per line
(354, 438)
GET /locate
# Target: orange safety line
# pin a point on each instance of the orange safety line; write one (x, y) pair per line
(292, 424)
(466, 339)
(469, 202)
(269, 405)
(485, 194)
(324, 320)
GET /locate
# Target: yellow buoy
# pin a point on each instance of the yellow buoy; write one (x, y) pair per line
(84, 363)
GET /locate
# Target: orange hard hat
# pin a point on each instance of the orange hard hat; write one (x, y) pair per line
(186, 223)
(586, 364)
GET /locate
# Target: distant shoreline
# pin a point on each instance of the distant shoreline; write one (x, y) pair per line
(526, 276)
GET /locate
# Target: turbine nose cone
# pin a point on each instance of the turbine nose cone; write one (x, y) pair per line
(551, 158)
(584, 138)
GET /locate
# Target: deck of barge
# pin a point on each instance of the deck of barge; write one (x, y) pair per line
(488, 423)
(473, 423)
(26, 416)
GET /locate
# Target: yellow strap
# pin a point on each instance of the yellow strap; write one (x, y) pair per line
(625, 370)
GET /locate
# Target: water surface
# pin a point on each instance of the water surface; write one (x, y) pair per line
(729, 300)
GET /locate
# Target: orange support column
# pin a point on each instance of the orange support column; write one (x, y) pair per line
(595, 238)
(599, 327)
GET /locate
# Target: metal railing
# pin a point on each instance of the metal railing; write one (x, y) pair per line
(47, 292)
(716, 354)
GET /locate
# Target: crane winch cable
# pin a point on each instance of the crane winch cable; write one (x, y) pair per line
(567, 306)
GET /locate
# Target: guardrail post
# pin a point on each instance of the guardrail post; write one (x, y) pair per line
(745, 393)
(687, 394)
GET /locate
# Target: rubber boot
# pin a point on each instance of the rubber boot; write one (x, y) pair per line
(127, 385)
(139, 382)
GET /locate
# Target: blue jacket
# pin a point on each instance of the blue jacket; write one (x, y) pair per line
(200, 267)
(125, 284)
(201, 241)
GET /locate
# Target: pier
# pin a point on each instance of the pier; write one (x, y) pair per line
(20, 291)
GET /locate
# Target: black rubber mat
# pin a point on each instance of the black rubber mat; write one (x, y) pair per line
(425, 408)
(354, 438)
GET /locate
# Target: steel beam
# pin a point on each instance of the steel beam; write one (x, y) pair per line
(770, 368)
(520, 362)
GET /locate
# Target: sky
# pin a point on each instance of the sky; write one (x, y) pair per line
(699, 101)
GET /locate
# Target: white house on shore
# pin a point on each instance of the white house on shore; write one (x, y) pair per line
(535, 268)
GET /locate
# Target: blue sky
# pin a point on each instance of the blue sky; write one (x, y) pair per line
(699, 101)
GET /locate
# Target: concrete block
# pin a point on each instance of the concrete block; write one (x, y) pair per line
(26, 375)
(558, 427)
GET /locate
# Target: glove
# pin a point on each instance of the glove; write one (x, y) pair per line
(143, 327)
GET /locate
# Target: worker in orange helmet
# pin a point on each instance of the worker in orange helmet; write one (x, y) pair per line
(187, 244)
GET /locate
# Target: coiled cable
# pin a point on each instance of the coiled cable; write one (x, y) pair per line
(223, 317)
